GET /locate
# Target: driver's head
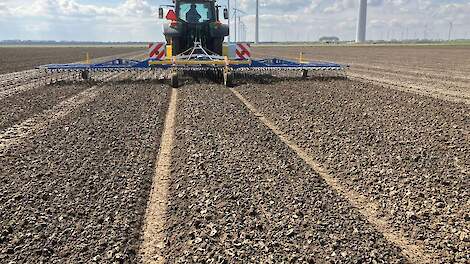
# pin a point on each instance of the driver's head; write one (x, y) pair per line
(193, 6)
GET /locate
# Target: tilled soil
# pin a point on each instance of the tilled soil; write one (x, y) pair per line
(438, 71)
(18, 107)
(409, 153)
(240, 195)
(15, 59)
(76, 192)
(75, 181)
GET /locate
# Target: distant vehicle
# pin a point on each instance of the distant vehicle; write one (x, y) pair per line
(329, 40)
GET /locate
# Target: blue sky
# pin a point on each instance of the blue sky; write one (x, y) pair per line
(136, 20)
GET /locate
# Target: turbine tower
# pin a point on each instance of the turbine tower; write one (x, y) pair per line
(361, 22)
(257, 23)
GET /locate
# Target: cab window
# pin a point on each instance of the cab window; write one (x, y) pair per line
(203, 9)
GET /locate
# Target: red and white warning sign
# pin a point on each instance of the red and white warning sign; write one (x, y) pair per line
(157, 50)
(243, 51)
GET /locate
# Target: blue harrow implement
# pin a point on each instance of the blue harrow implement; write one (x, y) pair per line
(202, 63)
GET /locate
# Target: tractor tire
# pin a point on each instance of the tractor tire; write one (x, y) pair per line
(217, 45)
(304, 74)
(176, 46)
(85, 75)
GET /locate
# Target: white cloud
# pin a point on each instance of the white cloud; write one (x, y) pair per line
(136, 20)
(4, 11)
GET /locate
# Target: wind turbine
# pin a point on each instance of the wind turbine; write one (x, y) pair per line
(362, 22)
(451, 25)
(257, 23)
(237, 16)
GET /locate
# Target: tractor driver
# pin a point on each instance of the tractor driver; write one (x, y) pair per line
(192, 16)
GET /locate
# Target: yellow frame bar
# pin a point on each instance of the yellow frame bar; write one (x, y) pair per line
(196, 62)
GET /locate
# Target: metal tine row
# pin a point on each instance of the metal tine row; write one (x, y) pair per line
(290, 73)
(97, 75)
(215, 74)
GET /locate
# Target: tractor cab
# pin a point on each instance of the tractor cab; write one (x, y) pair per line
(196, 12)
(194, 21)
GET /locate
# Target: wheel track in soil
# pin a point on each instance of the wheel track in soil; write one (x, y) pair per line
(154, 224)
(254, 120)
(153, 235)
(39, 82)
(414, 252)
(129, 179)
(18, 132)
(451, 83)
(441, 94)
(393, 79)
(439, 90)
(22, 95)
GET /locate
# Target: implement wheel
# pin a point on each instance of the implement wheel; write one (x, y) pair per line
(85, 75)
(304, 74)
(174, 80)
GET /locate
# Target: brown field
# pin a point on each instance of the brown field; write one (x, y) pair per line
(372, 169)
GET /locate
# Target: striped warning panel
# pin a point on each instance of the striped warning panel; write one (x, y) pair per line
(243, 51)
(157, 50)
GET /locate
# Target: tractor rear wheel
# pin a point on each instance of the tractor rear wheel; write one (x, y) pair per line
(217, 45)
(176, 46)
(85, 75)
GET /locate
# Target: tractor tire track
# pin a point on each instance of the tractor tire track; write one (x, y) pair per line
(17, 108)
(36, 83)
(442, 94)
(15, 134)
(414, 252)
(407, 77)
(153, 243)
(76, 191)
(406, 153)
(441, 90)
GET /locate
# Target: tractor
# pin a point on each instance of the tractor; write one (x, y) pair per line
(194, 21)
(194, 47)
